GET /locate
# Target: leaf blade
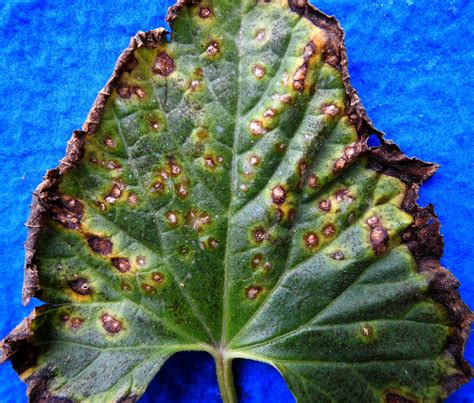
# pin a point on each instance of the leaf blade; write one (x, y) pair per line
(314, 220)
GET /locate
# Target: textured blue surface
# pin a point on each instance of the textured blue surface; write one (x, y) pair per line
(410, 60)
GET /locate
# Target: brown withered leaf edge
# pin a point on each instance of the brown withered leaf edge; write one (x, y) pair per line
(423, 238)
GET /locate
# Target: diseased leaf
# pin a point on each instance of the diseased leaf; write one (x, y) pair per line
(222, 197)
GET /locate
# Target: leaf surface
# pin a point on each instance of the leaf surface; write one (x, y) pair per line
(222, 197)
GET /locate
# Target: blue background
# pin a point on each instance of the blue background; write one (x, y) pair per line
(410, 60)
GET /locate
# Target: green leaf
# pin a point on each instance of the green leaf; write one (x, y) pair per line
(222, 197)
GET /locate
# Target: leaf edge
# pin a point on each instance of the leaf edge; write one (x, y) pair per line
(424, 240)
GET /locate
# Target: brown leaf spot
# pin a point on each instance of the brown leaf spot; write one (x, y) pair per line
(110, 142)
(286, 99)
(67, 211)
(181, 190)
(260, 34)
(330, 110)
(141, 261)
(311, 240)
(350, 152)
(111, 164)
(253, 291)
(299, 77)
(254, 160)
(280, 147)
(194, 84)
(212, 48)
(309, 50)
(125, 287)
(300, 73)
(337, 255)
(340, 164)
(298, 85)
(76, 323)
(257, 129)
(157, 277)
(260, 234)
(329, 230)
(132, 199)
(213, 243)
(312, 181)
(256, 260)
(343, 195)
(115, 193)
(258, 71)
(149, 289)
(99, 245)
(209, 162)
(154, 124)
(269, 113)
(172, 218)
(205, 12)
(80, 286)
(174, 167)
(139, 92)
(164, 64)
(302, 166)
(379, 239)
(267, 266)
(278, 195)
(366, 331)
(198, 219)
(121, 264)
(124, 91)
(110, 324)
(157, 187)
(325, 205)
(373, 221)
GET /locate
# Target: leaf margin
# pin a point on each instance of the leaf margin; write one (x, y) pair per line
(423, 238)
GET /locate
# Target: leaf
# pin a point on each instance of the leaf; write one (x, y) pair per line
(222, 197)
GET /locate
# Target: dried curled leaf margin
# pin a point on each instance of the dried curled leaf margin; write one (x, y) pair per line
(423, 238)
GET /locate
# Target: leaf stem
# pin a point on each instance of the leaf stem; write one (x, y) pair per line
(225, 378)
